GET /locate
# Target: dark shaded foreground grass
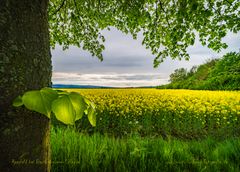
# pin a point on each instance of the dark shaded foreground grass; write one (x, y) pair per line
(72, 151)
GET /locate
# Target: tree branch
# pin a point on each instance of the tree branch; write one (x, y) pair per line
(156, 15)
(228, 2)
(215, 10)
(78, 13)
(59, 8)
(161, 6)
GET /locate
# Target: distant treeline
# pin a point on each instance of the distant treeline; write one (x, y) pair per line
(215, 74)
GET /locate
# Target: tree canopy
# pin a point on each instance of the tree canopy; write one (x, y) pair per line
(168, 26)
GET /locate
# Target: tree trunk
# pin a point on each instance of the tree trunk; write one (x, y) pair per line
(25, 64)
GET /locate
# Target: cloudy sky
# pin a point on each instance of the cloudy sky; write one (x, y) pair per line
(126, 62)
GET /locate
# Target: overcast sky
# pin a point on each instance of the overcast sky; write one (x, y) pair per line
(126, 62)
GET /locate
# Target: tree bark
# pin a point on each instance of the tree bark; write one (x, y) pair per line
(25, 64)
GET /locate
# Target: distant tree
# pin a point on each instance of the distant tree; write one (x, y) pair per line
(214, 74)
(192, 71)
(178, 75)
(168, 27)
(226, 73)
(203, 70)
(228, 65)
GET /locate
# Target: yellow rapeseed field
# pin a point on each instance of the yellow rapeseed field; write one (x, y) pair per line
(182, 110)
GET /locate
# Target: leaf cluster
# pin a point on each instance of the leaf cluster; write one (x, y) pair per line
(67, 107)
(168, 26)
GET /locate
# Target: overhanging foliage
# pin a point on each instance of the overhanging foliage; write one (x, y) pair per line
(168, 26)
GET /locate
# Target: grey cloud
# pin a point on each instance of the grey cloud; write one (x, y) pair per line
(125, 55)
(133, 77)
(109, 79)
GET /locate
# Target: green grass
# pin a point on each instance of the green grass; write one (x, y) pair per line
(72, 151)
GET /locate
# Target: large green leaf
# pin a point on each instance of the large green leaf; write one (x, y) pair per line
(78, 104)
(40, 101)
(69, 107)
(64, 110)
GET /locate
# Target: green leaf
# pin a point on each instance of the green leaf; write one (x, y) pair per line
(91, 112)
(78, 103)
(64, 110)
(40, 101)
(17, 101)
(89, 103)
(92, 116)
(62, 92)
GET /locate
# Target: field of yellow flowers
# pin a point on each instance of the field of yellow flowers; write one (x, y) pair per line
(181, 113)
